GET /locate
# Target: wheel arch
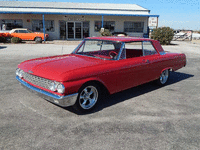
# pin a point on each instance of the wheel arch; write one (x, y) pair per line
(99, 83)
(167, 68)
(37, 37)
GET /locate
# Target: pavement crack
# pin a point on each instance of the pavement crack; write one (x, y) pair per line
(35, 111)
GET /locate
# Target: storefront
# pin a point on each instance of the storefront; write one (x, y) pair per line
(74, 21)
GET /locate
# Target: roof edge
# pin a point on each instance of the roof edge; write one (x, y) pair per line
(96, 14)
(70, 5)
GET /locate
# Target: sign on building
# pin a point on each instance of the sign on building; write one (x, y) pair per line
(153, 21)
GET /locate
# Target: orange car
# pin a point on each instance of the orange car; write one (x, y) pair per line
(4, 34)
(26, 34)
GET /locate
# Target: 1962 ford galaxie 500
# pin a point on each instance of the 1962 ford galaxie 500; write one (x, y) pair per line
(96, 66)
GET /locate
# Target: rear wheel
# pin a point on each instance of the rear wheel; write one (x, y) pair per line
(163, 77)
(87, 98)
(38, 40)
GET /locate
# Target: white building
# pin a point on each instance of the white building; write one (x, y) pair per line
(72, 21)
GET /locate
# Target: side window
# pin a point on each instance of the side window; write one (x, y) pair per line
(133, 49)
(16, 31)
(22, 31)
(148, 48)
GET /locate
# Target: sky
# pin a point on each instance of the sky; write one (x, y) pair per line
(177, 14)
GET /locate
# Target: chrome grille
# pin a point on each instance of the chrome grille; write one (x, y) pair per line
(41, 82)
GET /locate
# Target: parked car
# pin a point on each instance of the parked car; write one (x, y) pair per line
(25, 34)
(4, 34)
(98, 65)
(119, 34)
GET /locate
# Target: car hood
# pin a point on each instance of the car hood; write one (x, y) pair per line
(58, 67)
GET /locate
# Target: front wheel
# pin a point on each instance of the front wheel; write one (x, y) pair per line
(87, 98)
(163, 77)
(38, 40)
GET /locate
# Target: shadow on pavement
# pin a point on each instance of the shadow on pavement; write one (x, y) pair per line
(2, 47)
(173, 44)
(133, 92)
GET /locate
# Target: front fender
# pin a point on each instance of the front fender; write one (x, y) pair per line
(74, 86)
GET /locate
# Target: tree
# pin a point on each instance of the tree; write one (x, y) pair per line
(164, 35)
(106, 32)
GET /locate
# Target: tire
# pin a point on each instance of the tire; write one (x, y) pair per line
(38, 40)
(163, 79)
(88, 97)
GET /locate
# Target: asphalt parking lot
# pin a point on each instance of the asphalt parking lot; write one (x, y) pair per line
(147, 117)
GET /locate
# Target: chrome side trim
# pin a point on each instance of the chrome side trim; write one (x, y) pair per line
(63, 101)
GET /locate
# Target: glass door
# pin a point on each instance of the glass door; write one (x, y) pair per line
(74, 30)
(70, 29)
(78, 30)
(62, 30)
(86, 28)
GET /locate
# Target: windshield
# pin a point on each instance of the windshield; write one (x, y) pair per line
(101, 49)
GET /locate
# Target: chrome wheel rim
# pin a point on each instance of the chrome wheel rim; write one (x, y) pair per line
(164, 76)
(88, 97)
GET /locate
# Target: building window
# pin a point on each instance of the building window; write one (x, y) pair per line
(9, 24)
(133, 26)
(37, 25)
(110, 25)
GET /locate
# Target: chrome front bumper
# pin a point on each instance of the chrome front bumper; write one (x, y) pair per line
(63, 101)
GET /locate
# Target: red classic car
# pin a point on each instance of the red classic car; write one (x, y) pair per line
(98, 65)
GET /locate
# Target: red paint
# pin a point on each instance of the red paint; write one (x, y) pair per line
(116, 75)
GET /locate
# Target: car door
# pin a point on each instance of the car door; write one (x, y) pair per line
(24, 35)
(152, 61)
(20, 34)
(131, 71)
(15, 33)
(140, 67)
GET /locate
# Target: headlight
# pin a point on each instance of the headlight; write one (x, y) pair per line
(52, 86)
(60, 88)
(56, 86)
(19, 72)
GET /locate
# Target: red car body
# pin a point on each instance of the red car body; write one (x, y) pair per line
(75, 70)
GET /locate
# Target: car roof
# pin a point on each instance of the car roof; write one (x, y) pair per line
(120, 39)
(20, 29)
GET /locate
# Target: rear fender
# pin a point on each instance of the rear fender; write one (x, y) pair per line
(168, 68)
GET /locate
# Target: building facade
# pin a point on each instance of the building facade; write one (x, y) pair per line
(74, 21)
